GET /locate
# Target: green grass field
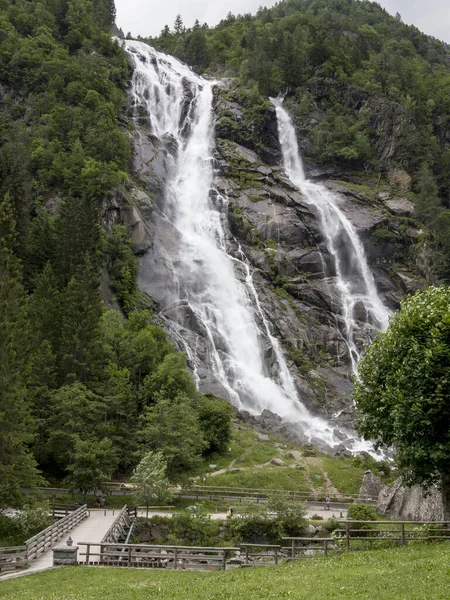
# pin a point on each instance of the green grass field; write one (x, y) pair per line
(420, 572)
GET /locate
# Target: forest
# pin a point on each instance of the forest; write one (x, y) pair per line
(81, 386)
(368, 92)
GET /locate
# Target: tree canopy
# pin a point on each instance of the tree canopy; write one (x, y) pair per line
(404, 389)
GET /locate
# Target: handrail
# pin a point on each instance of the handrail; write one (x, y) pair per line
(42, 541)
(118, 527)
(253, 492)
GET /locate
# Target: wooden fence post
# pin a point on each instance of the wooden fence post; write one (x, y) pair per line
(347, 536)
(88, 548)
(325, 547)
(175, 558)
(293, 548)
(402, 534)
(276, 556)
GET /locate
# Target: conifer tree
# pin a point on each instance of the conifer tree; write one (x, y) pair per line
(17, 467)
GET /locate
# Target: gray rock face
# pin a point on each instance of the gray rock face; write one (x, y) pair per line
(279, 232)
(408, 503)
(402, 207)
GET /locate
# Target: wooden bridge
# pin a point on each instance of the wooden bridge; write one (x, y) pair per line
(36, 554)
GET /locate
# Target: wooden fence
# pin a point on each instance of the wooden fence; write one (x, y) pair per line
(239, 494)
(395, 532)
(352, 535)
(45, 539)
(157, 557)
(14, 557)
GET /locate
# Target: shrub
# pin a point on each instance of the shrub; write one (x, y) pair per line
(364, 512)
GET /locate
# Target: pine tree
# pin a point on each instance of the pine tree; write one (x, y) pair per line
(81, 354)
(178, 25)
(428, 204)
(17, 467)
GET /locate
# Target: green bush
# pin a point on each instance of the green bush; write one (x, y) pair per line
(14, 530)
(363, 512)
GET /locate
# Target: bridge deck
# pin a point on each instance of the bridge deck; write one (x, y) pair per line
(92, 529)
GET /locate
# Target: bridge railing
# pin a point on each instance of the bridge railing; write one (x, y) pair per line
(41, 542)
(13, 557)
(119, 528)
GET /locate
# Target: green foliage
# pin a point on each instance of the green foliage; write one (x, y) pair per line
(123, 267)
(173, 427)
(404, 386)
(215, 422)
(149, 477)
(363, 512)
(17, 466)
(16, 529)
(91, 465)
(269, 522)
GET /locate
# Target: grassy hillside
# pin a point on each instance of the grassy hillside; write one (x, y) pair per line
(247, 464)
(415, 573)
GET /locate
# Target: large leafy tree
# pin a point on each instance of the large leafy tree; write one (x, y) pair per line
(404, 389)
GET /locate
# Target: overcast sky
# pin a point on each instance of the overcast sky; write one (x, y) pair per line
(148, 17)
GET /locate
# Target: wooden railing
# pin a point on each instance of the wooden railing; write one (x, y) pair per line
(238, 494)
(395, 532)
(14, 557)
(62, 510)
(353, 536)
(158, 557)
(271, 554)
(119, 528)
(300, 545)
(44, 540)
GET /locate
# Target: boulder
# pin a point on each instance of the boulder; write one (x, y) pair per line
(400, 502)
(401, 207)
(278, 462)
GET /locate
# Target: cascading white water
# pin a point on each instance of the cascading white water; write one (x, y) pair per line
(353, 276)
(217, 287)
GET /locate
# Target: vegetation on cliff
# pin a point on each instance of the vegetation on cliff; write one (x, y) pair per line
(75, 378)
(369, 93)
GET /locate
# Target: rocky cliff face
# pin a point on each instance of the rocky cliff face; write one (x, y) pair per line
(279, 232)
(398, 501)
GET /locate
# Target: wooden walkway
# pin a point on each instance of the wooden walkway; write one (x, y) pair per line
(93, 529)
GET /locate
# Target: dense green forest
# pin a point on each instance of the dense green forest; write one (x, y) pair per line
(368, 92)
(84, 385)
(79, 384)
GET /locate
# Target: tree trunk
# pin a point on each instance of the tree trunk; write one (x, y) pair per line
(446, 496)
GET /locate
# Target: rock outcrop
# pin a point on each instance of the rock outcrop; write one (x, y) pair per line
(401, 502)
(278, 231)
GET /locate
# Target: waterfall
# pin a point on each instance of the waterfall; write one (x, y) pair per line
(354, 279)
(213, 286)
